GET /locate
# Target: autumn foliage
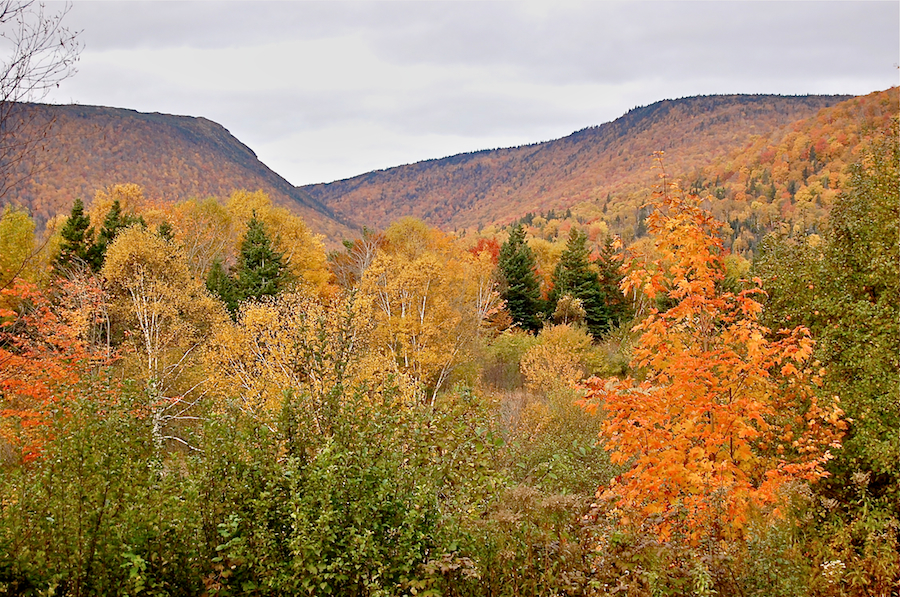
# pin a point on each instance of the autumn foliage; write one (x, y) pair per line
(403, 417)
(724, 413)
(42, 353)
(589, 165)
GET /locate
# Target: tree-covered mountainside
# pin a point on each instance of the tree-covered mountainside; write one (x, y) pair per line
(763, 161)
(607, 161)
(789, 178)
(171, 157)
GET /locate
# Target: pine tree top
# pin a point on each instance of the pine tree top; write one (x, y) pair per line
(261, 269)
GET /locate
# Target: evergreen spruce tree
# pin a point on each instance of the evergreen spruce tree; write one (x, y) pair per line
(76, 246)
(114, 223)
(574, 276)
(520, 288)
(610, 277)
(221, 284)
(261, 270)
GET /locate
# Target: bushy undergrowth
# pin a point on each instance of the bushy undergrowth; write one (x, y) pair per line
(488, 493)
(100, 512)
(249, 512)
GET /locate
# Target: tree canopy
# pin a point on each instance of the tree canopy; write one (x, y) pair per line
(577, 276)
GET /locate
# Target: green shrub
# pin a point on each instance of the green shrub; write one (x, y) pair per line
(98, 514)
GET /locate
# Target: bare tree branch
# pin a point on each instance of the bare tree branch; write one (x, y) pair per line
(36, 54)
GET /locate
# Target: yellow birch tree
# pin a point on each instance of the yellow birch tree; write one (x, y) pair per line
(170, 313)
(430, 299)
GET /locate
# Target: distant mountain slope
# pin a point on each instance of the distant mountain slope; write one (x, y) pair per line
(172, 157)
(787, 179)
(808, 150)
(614, 158)
(792, 175)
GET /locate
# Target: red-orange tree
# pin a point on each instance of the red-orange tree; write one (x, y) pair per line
(725, 413)
(42, 353)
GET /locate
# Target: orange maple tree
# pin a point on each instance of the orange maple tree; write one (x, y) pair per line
(43, 352)
(725, 413)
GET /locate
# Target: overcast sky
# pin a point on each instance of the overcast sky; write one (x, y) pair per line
(324, 91)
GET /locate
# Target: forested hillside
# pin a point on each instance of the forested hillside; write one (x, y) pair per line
(761, 160)
(784, 180)
(791, 176)
(599, 164)
(172, 157)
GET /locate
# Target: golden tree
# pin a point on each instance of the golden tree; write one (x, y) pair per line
(171, 313)
(558, 359)
(17, 250)
(130, 197)
(430, 299)
(307, 353)
(205, 230)
(291, 342)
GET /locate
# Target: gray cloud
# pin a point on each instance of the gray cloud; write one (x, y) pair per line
(353, 83)
(156, 24)
(590, 40)
(616, 42)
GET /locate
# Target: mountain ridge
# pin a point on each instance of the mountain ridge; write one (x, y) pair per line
(178, 157)
(470, 189)
(174, 157)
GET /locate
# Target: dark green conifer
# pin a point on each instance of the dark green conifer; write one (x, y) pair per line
(221, 284)
(114, 223)
(520, 288)
(619, 310)
(574, 276)
(76, 245)
(261, 270)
